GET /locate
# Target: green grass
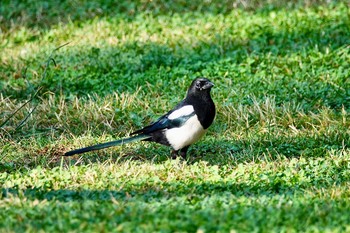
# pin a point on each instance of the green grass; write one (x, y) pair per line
(276, 159)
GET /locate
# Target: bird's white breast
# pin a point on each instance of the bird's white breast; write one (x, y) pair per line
(187, 134)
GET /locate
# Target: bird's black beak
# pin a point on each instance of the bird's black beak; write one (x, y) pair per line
(208, 85)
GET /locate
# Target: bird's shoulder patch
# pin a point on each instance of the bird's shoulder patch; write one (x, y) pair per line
(183, 111)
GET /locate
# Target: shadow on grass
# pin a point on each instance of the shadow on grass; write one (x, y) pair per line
(245, 61)
(239, 206)
(104, 70)
(43, 14)
(276, 185)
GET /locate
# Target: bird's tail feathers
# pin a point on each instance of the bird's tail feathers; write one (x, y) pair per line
(107, 144)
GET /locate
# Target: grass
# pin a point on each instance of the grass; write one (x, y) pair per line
(276, 159)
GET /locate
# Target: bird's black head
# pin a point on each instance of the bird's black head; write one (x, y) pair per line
(200, 85)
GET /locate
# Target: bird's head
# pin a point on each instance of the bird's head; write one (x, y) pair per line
(200, 85)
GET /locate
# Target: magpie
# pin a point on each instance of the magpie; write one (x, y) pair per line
(179, 128)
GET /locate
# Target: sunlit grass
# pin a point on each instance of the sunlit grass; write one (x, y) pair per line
(276, 158)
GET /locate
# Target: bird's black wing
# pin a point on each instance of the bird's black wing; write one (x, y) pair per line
(174, 118)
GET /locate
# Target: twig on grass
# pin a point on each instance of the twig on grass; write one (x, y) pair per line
(14, 113)
(20, 125)
(36, 91)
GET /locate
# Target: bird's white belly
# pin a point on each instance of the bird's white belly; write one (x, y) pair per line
(185, 135)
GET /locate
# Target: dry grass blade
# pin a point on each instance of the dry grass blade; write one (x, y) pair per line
(20, 125)
(35, 94)
(14, 113)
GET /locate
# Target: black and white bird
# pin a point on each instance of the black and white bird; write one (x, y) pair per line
(179, 128)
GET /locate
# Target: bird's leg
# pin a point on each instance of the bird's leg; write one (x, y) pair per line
(183, 152)
(174, 154)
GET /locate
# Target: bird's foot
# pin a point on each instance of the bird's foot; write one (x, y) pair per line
(174, 154)
(182, 153)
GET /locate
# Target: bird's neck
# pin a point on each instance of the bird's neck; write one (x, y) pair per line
(204, 108)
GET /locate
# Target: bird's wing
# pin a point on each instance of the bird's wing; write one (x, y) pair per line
(175, 118)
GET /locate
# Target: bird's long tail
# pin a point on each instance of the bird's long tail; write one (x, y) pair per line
(107, 144)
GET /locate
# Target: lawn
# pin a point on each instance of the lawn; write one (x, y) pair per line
(75, 73)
